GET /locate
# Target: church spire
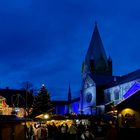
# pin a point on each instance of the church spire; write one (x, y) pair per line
(96, 49)
(96, 58)
(69, 94)
(69, 101)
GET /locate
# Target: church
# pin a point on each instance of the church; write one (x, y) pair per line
(96, 75)
(100, 89)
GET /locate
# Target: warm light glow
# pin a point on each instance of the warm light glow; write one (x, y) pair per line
(46, 116)
(128, 110)
(119, 115)
(17, 109)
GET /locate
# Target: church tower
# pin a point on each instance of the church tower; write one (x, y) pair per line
(95, 68)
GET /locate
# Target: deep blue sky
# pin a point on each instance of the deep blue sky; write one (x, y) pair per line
(45, 41)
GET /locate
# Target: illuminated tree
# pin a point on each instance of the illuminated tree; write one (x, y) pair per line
(42, 103)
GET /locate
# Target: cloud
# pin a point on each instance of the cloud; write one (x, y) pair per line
(46, 41)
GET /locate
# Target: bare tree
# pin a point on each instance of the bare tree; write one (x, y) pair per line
(29, 91)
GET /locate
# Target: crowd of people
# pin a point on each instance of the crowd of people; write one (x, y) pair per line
(73, 132)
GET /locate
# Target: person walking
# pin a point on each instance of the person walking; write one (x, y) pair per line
(73, 132)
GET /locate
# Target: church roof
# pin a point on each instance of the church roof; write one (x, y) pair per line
(96, 49)
(65, 102)
(128, 77)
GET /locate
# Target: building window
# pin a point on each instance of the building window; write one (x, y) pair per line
(116, 94)
(107, 96)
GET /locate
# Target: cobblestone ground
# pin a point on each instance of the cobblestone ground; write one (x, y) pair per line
(99, 138)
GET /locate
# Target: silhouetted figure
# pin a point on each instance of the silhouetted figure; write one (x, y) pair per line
(63, 134)
(73, 132)
(87, 135)
(112, 133)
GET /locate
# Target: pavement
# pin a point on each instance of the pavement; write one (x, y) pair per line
(99, 138)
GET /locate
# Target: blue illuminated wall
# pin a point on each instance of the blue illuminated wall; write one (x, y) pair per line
(75, 107)
(120, 92)
(60, 109)
(132, 90)
(88, 96)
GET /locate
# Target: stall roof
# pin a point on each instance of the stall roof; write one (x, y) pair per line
(12, 118)
(132, 101)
